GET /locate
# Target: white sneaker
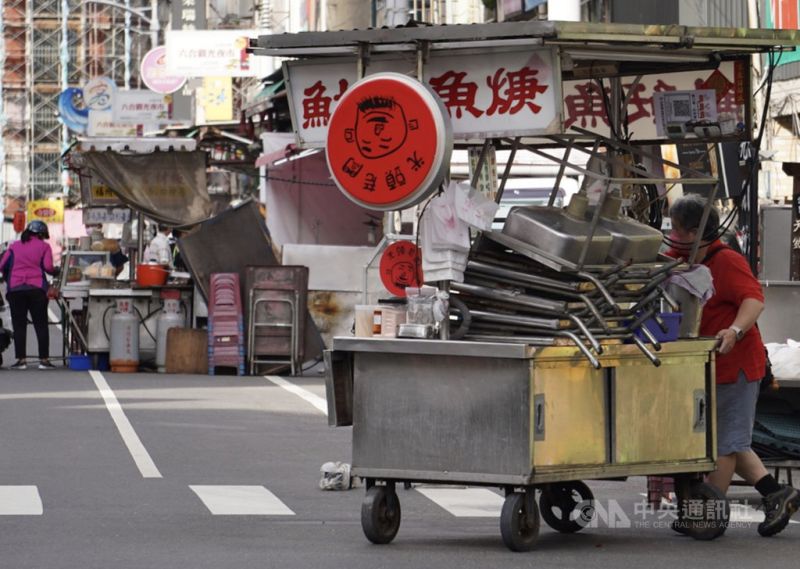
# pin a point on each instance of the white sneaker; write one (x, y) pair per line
(20, 364)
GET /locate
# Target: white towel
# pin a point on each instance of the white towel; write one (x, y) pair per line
(697, 281)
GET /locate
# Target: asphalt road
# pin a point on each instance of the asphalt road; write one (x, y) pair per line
(156, 471)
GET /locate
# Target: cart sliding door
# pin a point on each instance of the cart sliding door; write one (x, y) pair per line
(569, 425)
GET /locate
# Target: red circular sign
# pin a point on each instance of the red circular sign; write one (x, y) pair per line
(387, 142)
(401, 266)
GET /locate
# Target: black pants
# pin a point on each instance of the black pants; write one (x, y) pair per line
(34, 301)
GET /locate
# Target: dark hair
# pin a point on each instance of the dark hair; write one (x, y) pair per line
(26, 236)
(688, 211)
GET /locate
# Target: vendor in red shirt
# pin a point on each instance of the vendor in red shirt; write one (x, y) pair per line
(730, 316)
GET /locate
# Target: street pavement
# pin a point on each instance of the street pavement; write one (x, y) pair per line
(134, 471)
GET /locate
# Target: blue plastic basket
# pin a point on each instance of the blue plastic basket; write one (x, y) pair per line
(673, 322)
(79, 362)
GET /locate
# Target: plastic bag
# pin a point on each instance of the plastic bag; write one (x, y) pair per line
(336, 476)
(474, 208)
(440, 227)
(785, 359)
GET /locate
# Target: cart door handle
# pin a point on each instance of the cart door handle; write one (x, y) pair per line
(700, 411)
(538, 417)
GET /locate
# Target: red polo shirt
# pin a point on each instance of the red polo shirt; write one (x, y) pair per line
(734, 282)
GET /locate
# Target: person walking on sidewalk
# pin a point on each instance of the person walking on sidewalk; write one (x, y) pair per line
(730, 315)
(25, 265)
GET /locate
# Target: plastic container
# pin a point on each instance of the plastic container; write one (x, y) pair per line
(673, 322)
(364, 317)
(79, 362)
(148, 274)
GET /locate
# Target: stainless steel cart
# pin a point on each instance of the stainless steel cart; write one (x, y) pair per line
(525, 418)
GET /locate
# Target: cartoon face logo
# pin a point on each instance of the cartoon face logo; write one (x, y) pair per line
(403, 275)
(380, 127)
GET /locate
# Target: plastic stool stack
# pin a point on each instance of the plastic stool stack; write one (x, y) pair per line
(225, 324)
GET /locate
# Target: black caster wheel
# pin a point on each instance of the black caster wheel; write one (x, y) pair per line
(380, 514)
(567, 507)
(704, 514)
(519, 521)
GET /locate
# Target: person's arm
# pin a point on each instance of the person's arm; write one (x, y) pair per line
(4, 261)
(746, 317)
(47, 261)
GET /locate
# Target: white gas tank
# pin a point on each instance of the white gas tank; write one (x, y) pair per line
(124, 349)
(170, 317)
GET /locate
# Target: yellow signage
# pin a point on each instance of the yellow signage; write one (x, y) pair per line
(49, 211)
(101, 192)
(217, 99)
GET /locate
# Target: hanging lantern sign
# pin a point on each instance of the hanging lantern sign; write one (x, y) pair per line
(389, 142)
(401, 267)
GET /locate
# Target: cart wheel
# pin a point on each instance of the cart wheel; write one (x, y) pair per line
(567, 506)
(519, 521)
(380, 514)
(706, 513)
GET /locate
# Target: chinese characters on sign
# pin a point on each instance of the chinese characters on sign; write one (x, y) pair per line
(510, 93)
(795, 256)
(401, 267)
(487, 94)
(386, 142)
(188, 14)
(584, 107)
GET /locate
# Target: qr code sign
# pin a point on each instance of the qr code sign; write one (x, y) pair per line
(681, 109)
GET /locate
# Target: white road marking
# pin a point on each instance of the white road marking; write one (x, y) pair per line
(315, 400)
(20, 501)
(140, 455)
(241, 501)
(465, 502)
(53, 318)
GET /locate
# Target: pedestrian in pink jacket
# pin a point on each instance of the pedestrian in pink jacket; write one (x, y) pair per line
(25, 265)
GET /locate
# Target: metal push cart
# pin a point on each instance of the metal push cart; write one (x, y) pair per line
(506, 411)
(524, 418)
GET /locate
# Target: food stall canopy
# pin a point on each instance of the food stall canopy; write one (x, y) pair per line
(533, 79)
(169, 187)
(653, 44)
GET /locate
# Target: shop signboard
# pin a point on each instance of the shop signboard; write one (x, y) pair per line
(728, 108)
(154, 72)
(140, 107)
(389, 142)
(98, 94)
(214, 53)
(215, 101)
(101, 124)
(401, 267)
(49, 211)
(97, 215)
(795, 259)
(493, 92)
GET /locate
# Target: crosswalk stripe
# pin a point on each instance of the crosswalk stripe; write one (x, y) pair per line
(138, 451)
(240, 501)
(315, 400)
(20, 501)
(465, 502)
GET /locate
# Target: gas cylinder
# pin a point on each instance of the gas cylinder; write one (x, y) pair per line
(124, 349)
(170, 317)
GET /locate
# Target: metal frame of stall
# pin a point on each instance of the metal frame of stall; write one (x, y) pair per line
(415, 420)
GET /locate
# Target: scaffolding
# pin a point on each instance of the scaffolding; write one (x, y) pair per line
(50, 45)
